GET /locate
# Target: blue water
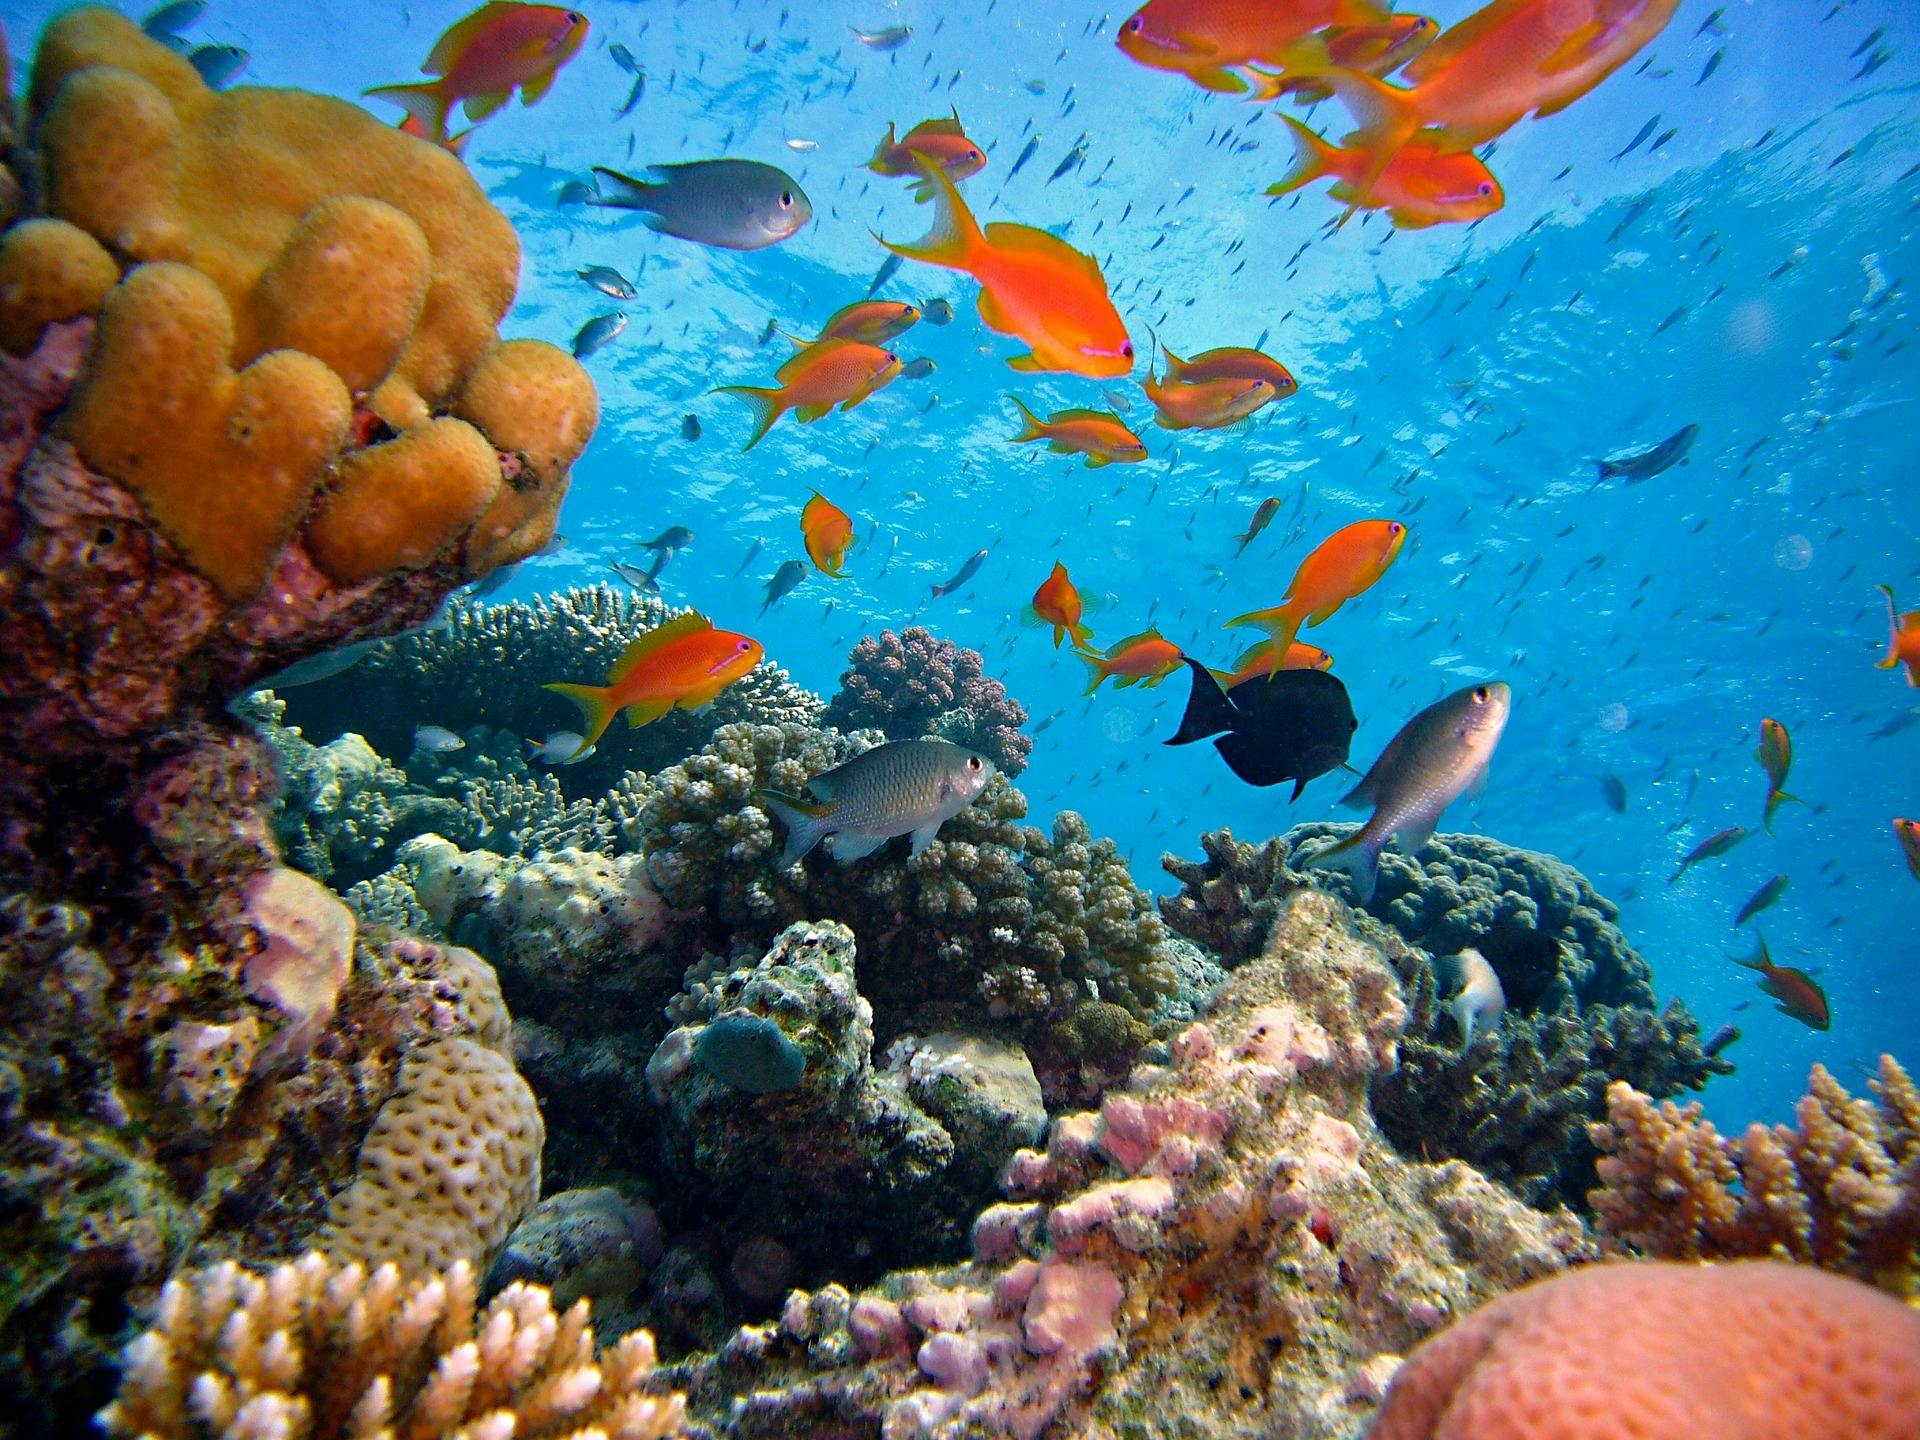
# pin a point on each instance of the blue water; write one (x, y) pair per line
(1449, 377)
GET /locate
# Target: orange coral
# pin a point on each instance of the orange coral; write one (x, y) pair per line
(1841, 1190)
(1649, 1351)
(49, 270)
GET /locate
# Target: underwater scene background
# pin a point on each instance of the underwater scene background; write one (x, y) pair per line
(1719, 237)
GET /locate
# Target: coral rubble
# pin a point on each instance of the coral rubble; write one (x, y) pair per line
(911, 684)
(1581, 1010)
(1840, 1189)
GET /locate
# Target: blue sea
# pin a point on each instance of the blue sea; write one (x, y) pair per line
(1749, 267)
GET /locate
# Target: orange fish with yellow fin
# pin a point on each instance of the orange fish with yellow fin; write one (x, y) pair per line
(1903, 639)
(1420, 185)
(828, 533)
(1907, 832)
(1257, 662)
(1058, 603)
(830, 373)
(941, 141)
(482, 60)
(1096, 434)
(1345, 564)
(681, 665)
(1148, 656)
(1209, 40)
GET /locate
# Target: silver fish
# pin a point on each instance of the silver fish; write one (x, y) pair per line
(575, 192)
(803, 146)
(892, 38)
(436, 739)
(1438, 754)
(1480, 998)
(674, 537)
(633, 574)
(728, 204)
(172, 19)
(753, 553)
(219, 65)
(597, 332)
(917, 369)
(623, 57)
(323, 666)
(634, 96)
(966, 573)
(785, 580)
(937, 312)
(608, 281)
(562, 747)
(1649, 463)
(904, 787)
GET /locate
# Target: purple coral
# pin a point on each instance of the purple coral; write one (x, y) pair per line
(911, 684)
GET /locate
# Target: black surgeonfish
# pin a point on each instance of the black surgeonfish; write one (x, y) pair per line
(1294, 725)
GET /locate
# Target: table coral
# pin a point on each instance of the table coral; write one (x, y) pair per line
(1840, 1189)
(1581, 1010)
(1227, 1246)
(1752, 1351)
(912, 684)
(330, 1353)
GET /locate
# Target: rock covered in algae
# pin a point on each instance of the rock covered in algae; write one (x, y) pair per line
(911, 683)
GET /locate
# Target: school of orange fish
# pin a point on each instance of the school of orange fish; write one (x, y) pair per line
(1421, 100)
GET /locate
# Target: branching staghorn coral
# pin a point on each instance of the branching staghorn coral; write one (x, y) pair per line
(1580, 1002)
(1841, 1189)
(911, 684)
(336, 1353)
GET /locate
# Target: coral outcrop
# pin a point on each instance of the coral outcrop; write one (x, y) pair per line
(337, 1352)
(1754, 1351)
(1840, 1189)
(486, 664)
(1580, 1005)
(1229, 1240)
(911, 684)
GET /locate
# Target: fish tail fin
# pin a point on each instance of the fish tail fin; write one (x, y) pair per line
(425, 100)
(1775, 799)
(1356, 855)
(1082, 636)
(621, 192)
(1245, 540)
(1386, 115)
(597, 709)
(1031, 425)
(955, 236)
(1893, 631)
(1096, 670)
(1607, 470)
(1208, 710)
(805, 821)
(878, 164)
(1312, 158)
(1282, 622)
(768, 406)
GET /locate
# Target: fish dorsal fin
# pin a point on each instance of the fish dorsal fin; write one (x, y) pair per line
(657, 639)
(1079, 414)
(450, 45)
(1010, 238)
(813, 354)
(939, 125)
(1120, 646)
(1459, 37)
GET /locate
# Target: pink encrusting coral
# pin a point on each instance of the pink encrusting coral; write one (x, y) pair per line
(1649, 1351)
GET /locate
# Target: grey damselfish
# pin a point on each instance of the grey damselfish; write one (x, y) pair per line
(731, 204)
(904, 787)
(1437, 755)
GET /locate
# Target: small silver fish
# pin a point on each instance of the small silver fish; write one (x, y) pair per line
(575, 192)
(674, 537)
(892, 38)
(608, 281)
(323, 666)
(436, 739)
(1479, 1001)
(728, 204)
(917, 369)
(965, 573)
(785, 580)
(219, 65)
(632, 574)
(904, 787)
(889, 267)
(597, 332)
(562, 747)
(623, 57)
(803, 146)
(172, 19)
(753, 553)
(634, 96)
(937, 312)
(1424, 769)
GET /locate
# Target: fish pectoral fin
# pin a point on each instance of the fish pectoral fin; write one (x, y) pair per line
(847, 848)
(479, 107)
(1218, 79)
(538, 86)
(807, 414)
(1353, 855)
(1477, 786)
(1094, 462)
(1028, 362)
(645, 712)
(1410, 220)
(1414, 835)
(1574, 49)
(923, 837)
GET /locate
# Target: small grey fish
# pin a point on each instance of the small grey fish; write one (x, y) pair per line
(1711, 848)
(597, 332)
(436, 739)
(753, 553)
(493, 581)
(1713, 64)
(1026, 154)
(562, 747)
(674, 537)
(917, 369)
(1614, 791)
(1765, 896)
(889, 267)
(219, 65)
(575, 192)
(632, 574)
(171, 19)
(623, 57)
(785, 580)
(904, 787)
(608, 281)
(1480, 998)
(323, 666)
(728, 204)
(1076, 157)
(690, 427)
(966, 573)
(892, 38)
(937, 312)
(1424, 769)
(634, 96)
(1640, 139)
(1649, 463)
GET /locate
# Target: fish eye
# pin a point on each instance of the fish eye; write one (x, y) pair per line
(974, 763)
(1395, 528)
(973, 154)
(1479, 694)
(786, 199)
(744, 646)
(1486, 187)
(1134, 25)
(1126, 350)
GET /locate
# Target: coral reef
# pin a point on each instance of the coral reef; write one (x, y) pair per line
(486, 664)
(330, 1353)
(1841, 1189)
(1229, 1240)
(1754, 1351)
(594, 1243)
(1581, 1010)
(910, 684)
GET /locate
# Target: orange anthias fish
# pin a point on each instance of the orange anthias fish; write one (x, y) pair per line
(1775, 754)
(1262, 517)
(1205, 404)
(482, 60)
(1373, 49)
(1148, 656)
(1508, 60)
(1058, 604)
(1206, 40)
(833, 372)
(1257, 663)
(1903, 639)
(1096, 434)
(940, 141)
(870, 322)
(828, 532)
(1032, 286)
(680, 665)
(1799, 994)
(1907, 832)
(1228, 362)
(1420, 186)
(1347, 563)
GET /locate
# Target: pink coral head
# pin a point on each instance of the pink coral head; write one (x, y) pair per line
(306, 949)
(1649, 1350)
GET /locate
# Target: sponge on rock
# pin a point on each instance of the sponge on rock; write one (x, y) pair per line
(49, 270)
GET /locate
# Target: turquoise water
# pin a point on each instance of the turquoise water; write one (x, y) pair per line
(1460, 378)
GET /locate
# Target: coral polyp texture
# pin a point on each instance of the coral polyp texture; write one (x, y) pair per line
(912, 684)
(330, 1352)
(1840, 1188)
(1752, 1351)
(1581, 1010)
